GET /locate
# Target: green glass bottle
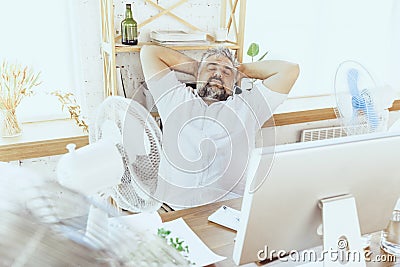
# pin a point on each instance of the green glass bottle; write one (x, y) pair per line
(129, 28)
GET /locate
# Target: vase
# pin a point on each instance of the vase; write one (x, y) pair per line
(10, 126)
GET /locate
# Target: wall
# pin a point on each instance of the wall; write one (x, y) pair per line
(88, 35)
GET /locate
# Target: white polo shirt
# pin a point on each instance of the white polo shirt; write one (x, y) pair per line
(208, 145)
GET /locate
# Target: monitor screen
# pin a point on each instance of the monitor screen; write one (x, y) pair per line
(280, 204)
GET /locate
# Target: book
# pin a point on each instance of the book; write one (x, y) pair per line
(177, 35)
(181, 43)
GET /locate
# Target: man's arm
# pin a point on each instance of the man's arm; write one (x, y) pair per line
(277, 75)
(157, 61)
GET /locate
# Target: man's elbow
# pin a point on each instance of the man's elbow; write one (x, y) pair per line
(291, 74)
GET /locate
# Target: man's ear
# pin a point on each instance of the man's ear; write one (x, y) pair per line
(239, 77)
(196, 69)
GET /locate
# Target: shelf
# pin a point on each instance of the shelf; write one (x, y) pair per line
(41, 139)
(120, 48)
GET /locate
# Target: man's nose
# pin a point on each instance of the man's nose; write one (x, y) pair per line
(218, 73)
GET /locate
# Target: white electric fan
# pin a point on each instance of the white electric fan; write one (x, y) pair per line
(122, 160)
(358, 107)
(43, 224)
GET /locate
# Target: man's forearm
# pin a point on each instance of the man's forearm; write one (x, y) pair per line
(277, 75)
(169, 58)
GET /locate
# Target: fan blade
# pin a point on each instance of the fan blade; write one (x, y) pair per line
(369, 110)
(357, 101)
(352, 81)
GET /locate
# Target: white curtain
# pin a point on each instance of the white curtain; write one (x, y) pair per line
(38, 34)
(394, 65)
(320, 34)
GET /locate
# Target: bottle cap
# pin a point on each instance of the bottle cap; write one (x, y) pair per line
(128, 5)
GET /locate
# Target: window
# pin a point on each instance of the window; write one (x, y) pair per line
(40, 34)
(320, 34)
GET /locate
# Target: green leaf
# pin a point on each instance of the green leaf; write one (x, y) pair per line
(263, 56)
(161, 232)
(253, 50)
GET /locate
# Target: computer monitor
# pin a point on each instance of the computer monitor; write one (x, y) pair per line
(283, 212)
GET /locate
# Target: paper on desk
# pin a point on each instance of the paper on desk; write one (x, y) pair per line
(199, 253)
(227, 217)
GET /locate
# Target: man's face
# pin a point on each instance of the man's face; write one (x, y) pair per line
(216, 78)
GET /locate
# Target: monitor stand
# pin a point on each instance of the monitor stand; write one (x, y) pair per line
(342, 243)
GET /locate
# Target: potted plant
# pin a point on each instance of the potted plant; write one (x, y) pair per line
(16, 82)
(253, 51)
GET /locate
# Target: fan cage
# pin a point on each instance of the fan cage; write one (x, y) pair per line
(139, 182)
(358, 114)
(360, 124)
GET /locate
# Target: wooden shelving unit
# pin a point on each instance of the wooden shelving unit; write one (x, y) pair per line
(120, 48)
(232, 16)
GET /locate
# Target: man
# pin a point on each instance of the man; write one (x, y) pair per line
(209, 131)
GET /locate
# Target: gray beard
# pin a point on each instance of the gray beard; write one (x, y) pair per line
(208, 91)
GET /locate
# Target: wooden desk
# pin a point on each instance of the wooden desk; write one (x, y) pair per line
(220, 239)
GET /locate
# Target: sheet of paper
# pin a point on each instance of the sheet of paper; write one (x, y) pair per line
(227, 217)
(199, 253)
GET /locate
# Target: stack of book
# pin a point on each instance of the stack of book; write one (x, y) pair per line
(178, 37)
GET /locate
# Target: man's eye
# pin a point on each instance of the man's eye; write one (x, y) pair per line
(212, 68)
(227, 72)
